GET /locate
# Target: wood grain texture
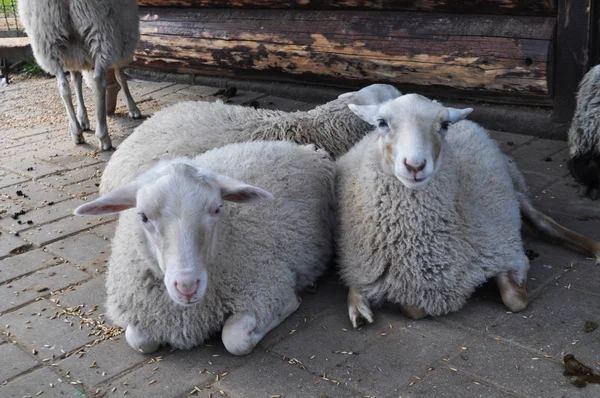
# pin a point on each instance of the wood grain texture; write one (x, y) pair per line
(509, 7)
(492, 54)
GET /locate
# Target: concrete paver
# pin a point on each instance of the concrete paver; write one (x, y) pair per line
(52, 293)
(18, 362)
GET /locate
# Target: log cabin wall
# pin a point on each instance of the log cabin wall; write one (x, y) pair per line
(499, 51)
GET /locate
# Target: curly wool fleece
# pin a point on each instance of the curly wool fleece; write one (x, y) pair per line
(430, 247)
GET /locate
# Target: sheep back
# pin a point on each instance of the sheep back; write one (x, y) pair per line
(262, 252)
(429, 247)
(203, 126)
(77, 33)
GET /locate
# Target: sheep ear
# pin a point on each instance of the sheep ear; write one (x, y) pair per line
(236, 191)
(454, 115)
(368, 113)
(113, 202)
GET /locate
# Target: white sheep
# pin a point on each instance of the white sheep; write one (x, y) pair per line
(184, 265)
(81, 35)
(428, 210)
(190, 128)
(584, 135)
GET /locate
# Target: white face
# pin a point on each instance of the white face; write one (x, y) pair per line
(178, 208)
(411, 135)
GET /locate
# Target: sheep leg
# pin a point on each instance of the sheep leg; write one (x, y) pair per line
(139, 341)
(134, 112)
(240, 333)
(82, 115)
(112, 91)
(358, 308)
(557, 233)
(413, 312)
(99, 86)
(65, 93)
(514, 295)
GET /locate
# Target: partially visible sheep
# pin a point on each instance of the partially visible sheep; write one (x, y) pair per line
(428, 210)
(184, 265)
(584, 135)
(80, 35)
(190, 128)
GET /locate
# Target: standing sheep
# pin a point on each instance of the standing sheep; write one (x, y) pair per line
(584, 135)
(80, 35)
(428, 210)
(191, 128)
(184, 265)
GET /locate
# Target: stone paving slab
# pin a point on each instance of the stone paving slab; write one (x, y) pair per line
(42, 380)
(39, 283)
(482, 350)
(16, 266)
(15, 362)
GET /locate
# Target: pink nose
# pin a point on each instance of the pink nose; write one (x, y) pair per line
(414, 167)
(187, 289)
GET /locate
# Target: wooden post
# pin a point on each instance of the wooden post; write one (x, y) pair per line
(571, 60)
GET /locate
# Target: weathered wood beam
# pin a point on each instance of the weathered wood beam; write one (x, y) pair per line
(486, 54)
(509, 7)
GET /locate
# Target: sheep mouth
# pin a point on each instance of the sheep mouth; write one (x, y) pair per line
(413, 182)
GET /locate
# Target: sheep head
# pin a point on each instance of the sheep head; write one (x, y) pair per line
(178, 206)
(411, 132)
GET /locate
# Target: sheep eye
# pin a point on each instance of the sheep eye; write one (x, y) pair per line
(219, 209)
(382, 124)
(143, 217)
(444, 126)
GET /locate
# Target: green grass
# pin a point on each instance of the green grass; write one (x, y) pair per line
(8, 3)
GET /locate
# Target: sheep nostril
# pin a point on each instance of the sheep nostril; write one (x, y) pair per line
(415, 167)
(187, 289)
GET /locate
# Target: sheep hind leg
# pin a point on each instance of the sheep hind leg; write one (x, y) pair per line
(240, 333)
(112, 91)
(82, 115)
(134, 112)
(99, 86)
(139, 341)
(557, 233)
(359, 309)
(65, 93)
(514, 295)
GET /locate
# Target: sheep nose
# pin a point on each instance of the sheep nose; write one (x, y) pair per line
(414, 167)
(187, 289)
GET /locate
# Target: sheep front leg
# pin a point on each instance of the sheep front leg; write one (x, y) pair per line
(139, 341)
(514, 295)
(359, 309)
(240, 333)
(82, 115)
(99, 86)
(65, 93)
(134, 112)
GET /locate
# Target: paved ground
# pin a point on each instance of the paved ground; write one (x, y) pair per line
(55, 341)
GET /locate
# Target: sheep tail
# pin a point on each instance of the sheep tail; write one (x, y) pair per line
(556, 233)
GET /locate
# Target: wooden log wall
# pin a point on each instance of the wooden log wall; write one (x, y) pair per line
(509, 7)
(493, 55)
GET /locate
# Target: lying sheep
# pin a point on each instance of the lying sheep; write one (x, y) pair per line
(190, 128)
(80, 35)
(584, 135)
(185, 265)
(428, 210)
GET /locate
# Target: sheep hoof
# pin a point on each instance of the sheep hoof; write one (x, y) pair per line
(413, 312)
(76, 133)
(105, 144)
(359, 310)
(139, 341)
(514, 296)
(135, 113)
